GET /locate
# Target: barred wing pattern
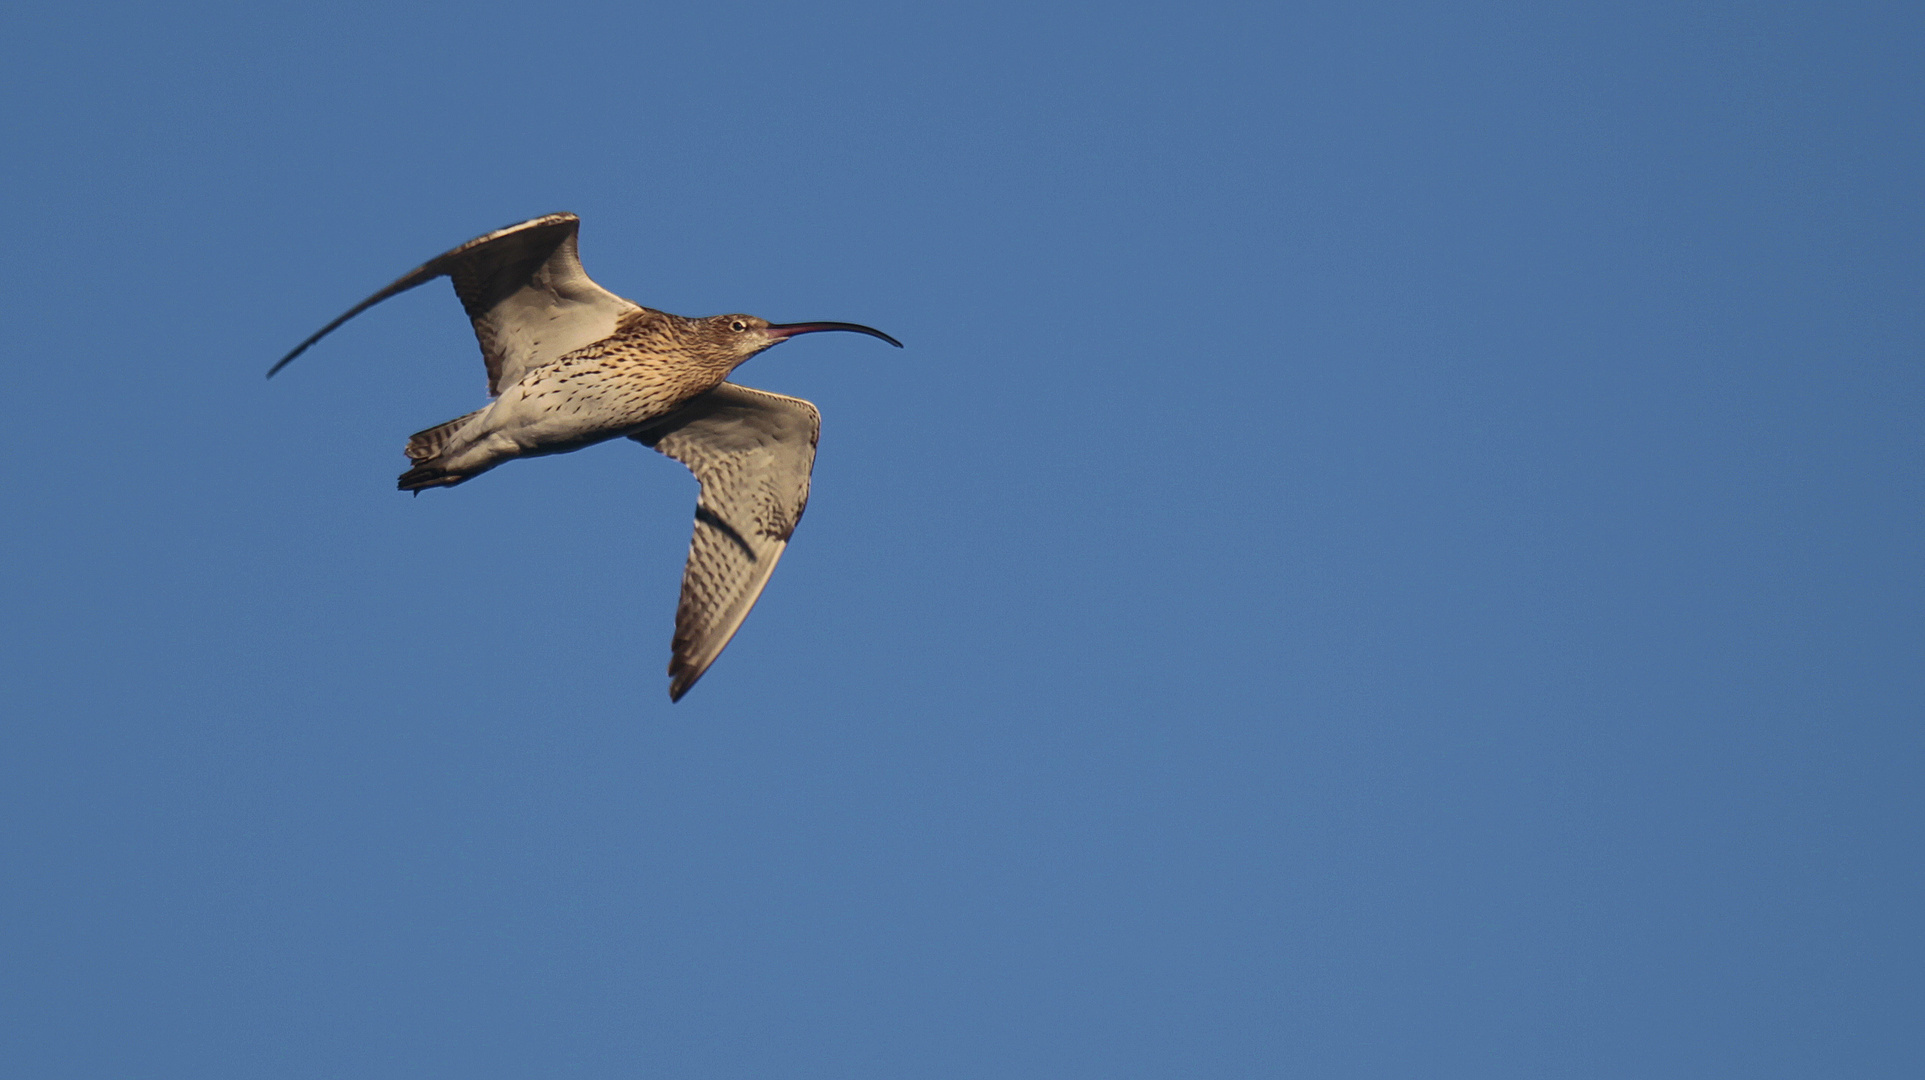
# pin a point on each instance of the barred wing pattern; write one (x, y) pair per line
(753, 452)
(525, 292)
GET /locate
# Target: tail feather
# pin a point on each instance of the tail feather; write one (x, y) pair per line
(423, 448)
(423, 445)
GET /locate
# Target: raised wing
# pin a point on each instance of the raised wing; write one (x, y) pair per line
(752, 451)
(525, 291)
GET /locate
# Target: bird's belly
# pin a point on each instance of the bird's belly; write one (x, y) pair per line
(562, 410)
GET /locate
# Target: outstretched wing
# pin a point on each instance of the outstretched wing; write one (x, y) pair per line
(525, 291)
(752, 451)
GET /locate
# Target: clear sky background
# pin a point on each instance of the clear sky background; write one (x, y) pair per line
(1393, 550)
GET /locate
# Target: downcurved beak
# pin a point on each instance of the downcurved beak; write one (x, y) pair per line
(788, 330)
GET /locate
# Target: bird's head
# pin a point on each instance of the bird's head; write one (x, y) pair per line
(738, 337)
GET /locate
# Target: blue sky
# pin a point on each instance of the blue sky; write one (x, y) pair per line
(1393, 549)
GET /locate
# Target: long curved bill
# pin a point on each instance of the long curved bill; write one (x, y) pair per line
(789, 330)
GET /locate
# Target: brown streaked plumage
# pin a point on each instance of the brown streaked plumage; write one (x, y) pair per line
(571, 364)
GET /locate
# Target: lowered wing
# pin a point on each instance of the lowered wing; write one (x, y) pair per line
(753, 452)
(525, 291)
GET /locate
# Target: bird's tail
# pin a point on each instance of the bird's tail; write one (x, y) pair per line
(423, 448)
(423, 445)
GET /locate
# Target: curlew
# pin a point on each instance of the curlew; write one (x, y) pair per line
(571, 364)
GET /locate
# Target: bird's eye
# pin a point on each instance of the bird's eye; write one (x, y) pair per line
(738, 326)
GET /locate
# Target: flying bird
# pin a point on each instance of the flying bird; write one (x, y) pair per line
(571, 364)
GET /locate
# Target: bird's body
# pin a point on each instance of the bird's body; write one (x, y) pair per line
(571, 364)
(649, 367)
